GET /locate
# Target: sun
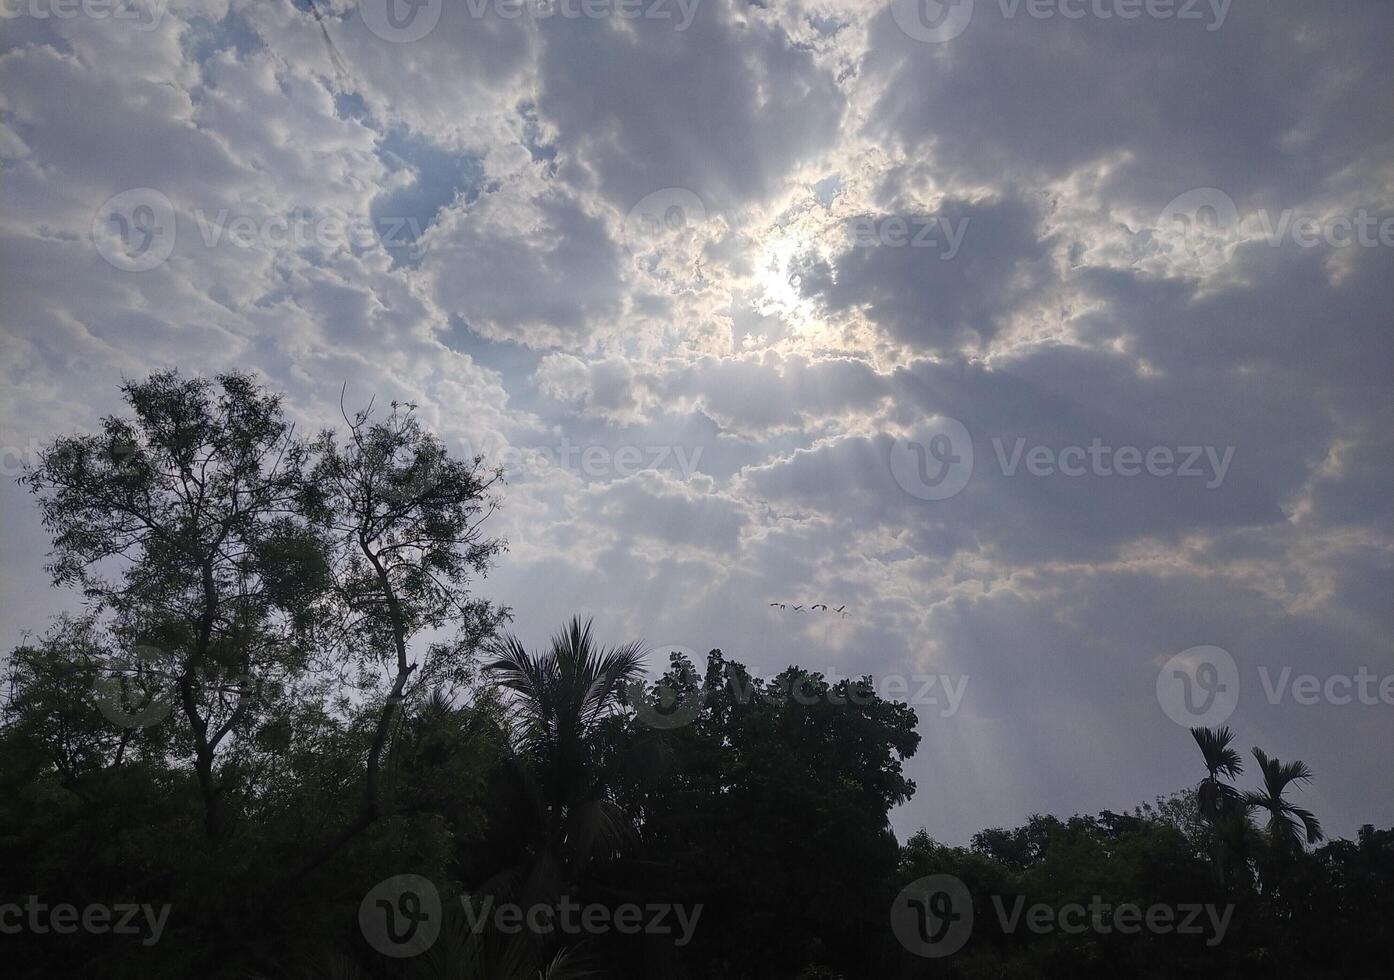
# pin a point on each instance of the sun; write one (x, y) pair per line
(776, 283)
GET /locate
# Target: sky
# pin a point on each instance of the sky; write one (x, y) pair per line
(1049, 338)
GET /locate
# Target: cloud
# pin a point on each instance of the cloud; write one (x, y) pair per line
(1168, 104)
(604, 389)
(724, 108)
(941, 280)
(742, 381)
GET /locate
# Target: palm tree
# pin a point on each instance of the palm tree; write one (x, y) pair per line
(562, 698)
(1222, 806)
(1216, 798)
(1284, 818)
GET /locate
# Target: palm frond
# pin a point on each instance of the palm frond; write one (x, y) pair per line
(568, 964)
(1284, 818)
(1215, 748)
(598, 825)
(613, 670)
(1277, 775)
(1310, 824)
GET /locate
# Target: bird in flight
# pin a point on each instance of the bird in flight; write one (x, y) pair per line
(841, 608)
(820, 605)
(798, 609)
(774, 604)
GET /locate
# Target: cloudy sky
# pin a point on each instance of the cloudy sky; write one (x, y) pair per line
(1052, 339)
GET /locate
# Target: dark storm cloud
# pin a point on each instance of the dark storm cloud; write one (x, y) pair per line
(928, 297)
(724, 108)
(1273, 105)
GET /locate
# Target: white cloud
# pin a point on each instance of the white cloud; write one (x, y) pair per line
(759, 362)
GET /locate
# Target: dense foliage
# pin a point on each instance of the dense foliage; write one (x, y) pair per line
(281, 692)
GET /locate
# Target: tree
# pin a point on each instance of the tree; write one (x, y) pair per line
(193, 499)
(562, 698)
(772, 812)
(404, 524)
(1221, 805)
(1214, 797)
(1288, 824)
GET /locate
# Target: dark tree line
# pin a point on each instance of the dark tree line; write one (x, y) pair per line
(280, 689)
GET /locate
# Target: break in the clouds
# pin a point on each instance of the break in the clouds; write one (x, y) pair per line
(713, 280)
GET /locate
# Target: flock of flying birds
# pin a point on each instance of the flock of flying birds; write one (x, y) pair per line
(821, 606)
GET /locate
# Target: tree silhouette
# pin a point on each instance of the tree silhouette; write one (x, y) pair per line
(561, 698)
(194, 494)
(1288, 824)
(1217, 798)
(1221, 805)
(282, 692)
(404, 521)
